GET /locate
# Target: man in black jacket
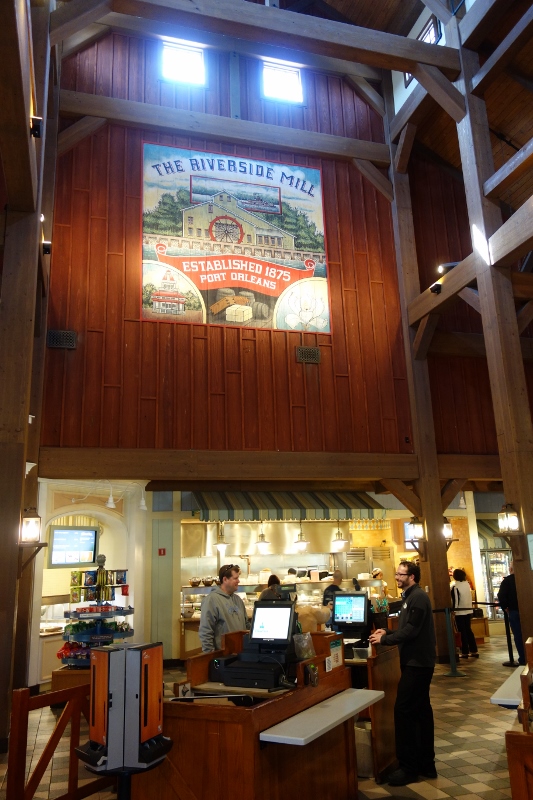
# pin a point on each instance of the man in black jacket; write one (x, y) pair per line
(508, 600)
(413, 715)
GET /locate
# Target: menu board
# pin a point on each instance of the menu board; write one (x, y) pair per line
(70, 546)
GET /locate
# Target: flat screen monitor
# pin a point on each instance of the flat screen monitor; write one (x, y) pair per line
(286, 590)
(350, 613)
(272, 622)
(72, 546)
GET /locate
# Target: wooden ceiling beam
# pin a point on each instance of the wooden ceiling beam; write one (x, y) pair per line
(522, 285)
(469, 345)
(514, 238)
(451, 489)
(221, 465)
(510, 172)
(424, 335)
(260, 486)
(471, 296)
(405, 146)
(298, 31)
(367, 92)
(438, 8)
(414, 110)
(442, 90)
(451, 284)
(404, 494)
(70, 137)
(73, 17)
(475, 467)
(376, 178)
(479, 20)
(159, 29)
(152, 117)
(525, 316)
(18, 104)
(504, 53)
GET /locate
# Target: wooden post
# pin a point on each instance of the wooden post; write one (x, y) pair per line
(512, 411)
(435, 570)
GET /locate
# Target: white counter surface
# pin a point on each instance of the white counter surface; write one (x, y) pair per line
(313, 722)
(510, 692)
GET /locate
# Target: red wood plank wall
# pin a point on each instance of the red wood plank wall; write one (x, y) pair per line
(145, 384)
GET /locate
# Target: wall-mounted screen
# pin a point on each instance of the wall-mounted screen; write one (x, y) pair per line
(72, 546)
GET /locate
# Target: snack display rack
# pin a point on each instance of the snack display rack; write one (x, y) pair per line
(92, 624)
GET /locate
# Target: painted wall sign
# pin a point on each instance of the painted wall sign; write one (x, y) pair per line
(232, 241)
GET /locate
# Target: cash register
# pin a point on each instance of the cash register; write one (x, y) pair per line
(351, 617)
(268, 658)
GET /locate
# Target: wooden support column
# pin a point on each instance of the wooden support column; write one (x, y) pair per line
(504, 358)
(19, 280)
(427, 487)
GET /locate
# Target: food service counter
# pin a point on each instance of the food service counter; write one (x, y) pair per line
(217, 744)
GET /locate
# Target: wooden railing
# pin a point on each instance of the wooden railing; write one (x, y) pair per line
(519, 745)
(20, 788)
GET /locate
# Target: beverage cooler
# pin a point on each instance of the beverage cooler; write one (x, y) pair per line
(495, 568)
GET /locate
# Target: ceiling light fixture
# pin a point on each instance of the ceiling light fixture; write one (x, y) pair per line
(301, 542)
(263, 544)
(442, 269)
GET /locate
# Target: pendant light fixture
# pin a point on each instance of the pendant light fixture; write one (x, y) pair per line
(301, 542)
(221, 543)
(263, 544)
(339, 543)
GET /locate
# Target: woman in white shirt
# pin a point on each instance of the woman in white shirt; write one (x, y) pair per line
(462, 606)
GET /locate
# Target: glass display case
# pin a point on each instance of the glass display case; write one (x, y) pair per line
(495, 568)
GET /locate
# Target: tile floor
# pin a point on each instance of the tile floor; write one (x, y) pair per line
(469, 739)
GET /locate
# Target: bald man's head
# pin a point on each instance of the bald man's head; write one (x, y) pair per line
(337, 577)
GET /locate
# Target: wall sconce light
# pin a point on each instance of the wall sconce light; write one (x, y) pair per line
(36, 127)
(301, 542)
(221, 543)
(436, 288)
(263, 544)
(508, 521)
(47, 248)
(416, 530)
(30, 529)
(29, 537)
(339, 543)
(442, 269)
(447, 532)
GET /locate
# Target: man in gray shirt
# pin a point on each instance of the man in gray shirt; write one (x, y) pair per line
(222, 610)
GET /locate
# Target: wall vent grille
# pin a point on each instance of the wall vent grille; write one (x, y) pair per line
(308, 355)
(66, 340)
(381, 553)
(356, 554)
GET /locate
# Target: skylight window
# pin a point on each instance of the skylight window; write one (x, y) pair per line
(281, 82)
(183, 64)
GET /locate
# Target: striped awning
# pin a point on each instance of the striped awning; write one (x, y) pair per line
(249, 506)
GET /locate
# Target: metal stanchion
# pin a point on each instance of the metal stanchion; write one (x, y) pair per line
(511, 662)
(454, 672)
